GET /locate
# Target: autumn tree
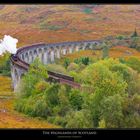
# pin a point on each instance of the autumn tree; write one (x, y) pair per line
(111, 111)
(66, 63)
(79, 119)
(37, 72)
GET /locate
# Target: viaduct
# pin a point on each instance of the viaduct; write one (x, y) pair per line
(47, 53)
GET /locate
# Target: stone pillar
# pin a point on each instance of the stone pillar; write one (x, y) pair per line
(70, 49)
(22, 57)
(40, 55)
(84, 46)
(55, 53)
(12, 74)
(26, 57)
(30, 57)
(46, 57)
(58, 53)
(52, 55)
(77, 48)
(15, 78)
(67, 50)
(64, 51)
(61, 51)
(35, 54)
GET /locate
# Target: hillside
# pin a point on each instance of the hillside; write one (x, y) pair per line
(58, 23)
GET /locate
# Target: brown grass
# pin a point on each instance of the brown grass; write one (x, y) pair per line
(115, 52)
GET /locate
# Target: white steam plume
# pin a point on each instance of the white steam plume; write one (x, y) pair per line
(8, 44)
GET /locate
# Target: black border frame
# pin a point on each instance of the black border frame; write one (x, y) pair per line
(47, 133)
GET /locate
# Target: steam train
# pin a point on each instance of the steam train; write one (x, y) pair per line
(14, 57)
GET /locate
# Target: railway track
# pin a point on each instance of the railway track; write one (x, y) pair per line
(58, 77)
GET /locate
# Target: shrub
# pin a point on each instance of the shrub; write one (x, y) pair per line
(41, 109)
(133, 85)
(76, 61)
(41, 86)
(38, 69)
(123, 70)
(54, 27)
(5, 65)
(73, 67)
(51, 95)
(60, 121)
(102, 124)
(64, 103)
(132, 112)
(26, 86)
(134, 63)
(56, 68)
(122, 60)
(19, 105)
(87, 10)
(105, 51)
(111, 111)
(76, 99)
(85, 60)
(75, 75)
(81, 67)
(82, 60)
(120, 37)
(46, 25)
(66, 62)
(79, 119)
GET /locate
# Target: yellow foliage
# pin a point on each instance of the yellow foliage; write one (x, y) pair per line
(102, 124)
(41, 86)
(5, 86)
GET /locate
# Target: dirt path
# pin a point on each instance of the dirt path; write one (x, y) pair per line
(9, 118)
